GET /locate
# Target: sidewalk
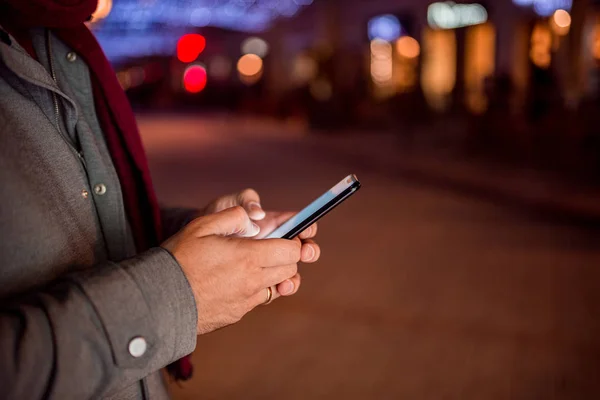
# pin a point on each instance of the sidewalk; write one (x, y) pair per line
(537, 191)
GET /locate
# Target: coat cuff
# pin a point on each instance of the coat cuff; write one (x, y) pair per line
(147, 309)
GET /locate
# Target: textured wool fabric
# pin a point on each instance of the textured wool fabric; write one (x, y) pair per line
(71, 298)
(113, 110)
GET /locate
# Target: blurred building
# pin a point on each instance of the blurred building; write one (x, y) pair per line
(451, 51)
(189, 54)
(355, 60)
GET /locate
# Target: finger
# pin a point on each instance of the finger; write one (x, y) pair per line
(274, 276)
(250, 200)
(286, 288)
(222, 203)
(272, 221)
(290, 286)
(229, 222)
(262, 296)
(310, 251)
(269, 253)
(309, 232)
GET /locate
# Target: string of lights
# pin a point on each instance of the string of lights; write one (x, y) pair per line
(135, 28)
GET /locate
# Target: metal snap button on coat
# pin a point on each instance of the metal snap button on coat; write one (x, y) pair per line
(84, 194)
(71, 57)
(100, 189)
(137, 346)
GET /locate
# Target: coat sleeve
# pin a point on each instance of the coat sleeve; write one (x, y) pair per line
(95, 332)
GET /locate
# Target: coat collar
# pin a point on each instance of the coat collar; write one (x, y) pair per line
(17, 60)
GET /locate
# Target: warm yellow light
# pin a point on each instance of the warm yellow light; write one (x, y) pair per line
(380, 49)
(541, 46)
(305, 69)
(438, 76)
(381, 62)
(596, 45)
(408, 47)
(561, 22)
(541, 36)
(251, 79)
(381, 72)
(102, 10)
(541, 59)
(480, 62)
(249, 65)
(124, 79)
(562, 19)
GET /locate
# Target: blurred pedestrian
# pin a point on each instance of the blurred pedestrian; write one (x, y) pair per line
(93, 306)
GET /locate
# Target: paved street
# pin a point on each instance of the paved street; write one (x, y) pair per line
(422, 292)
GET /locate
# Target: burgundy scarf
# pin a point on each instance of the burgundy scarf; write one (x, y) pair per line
(66, 20)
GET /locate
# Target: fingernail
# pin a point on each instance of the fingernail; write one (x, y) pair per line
(254, 206)
(255, 228)
(309, 253)
(286, 287)
(256, 212)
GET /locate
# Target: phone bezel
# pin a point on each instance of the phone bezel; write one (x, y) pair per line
(321, 212)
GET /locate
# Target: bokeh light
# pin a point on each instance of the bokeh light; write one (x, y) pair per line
(250, 79)
(190, 46)
(380, 49)
(384, 27)
(141, 28)
(381, 62)
(124, 80)
(449, 15)
(562, 18)
(195, 78)
(249, 65)
(132, 77)
(408, 47)
(541, 46)
(102, 10)
(200, 17)
(255, 45)
(438, 75)
(561, 22)
(305, 69)
(480, 64)
(596, 43)
(546, 8)
(220, 67)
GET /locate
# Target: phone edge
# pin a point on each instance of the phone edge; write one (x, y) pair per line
(321, 212)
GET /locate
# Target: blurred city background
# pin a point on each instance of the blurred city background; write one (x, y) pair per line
(468, 266)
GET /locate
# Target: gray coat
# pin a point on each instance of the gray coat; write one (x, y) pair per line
(81, 314)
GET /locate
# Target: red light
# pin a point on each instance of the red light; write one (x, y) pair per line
(190, 46)
(194, 79)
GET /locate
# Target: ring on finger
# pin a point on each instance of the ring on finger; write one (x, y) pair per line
(269, 296)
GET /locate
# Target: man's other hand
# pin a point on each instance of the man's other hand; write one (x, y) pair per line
(267, 223)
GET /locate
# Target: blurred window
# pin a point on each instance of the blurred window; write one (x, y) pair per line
(438, 76)
(480, 61)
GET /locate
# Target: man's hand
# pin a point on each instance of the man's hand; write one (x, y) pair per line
(268, 222)
(248, 199)
(230, 275)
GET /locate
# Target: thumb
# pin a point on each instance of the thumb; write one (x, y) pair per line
(250, 200)
(229, 222)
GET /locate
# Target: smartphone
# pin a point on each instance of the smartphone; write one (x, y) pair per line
(317, 209)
